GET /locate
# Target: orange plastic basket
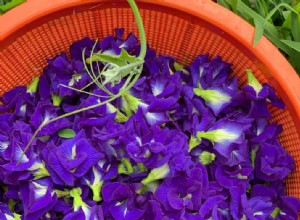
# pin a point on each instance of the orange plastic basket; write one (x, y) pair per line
(39, 29)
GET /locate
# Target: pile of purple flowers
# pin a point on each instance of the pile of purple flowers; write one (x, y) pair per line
(182, 143)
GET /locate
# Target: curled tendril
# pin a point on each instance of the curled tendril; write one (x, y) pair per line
(134, 69)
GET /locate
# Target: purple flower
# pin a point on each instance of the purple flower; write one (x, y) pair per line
(272, 162)
(71, 160)
(233, 176)
(182, 192)
(224, 133)
(38, 198)
(43, 113)
(121, 202)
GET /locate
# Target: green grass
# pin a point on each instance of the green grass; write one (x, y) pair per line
(278, 20)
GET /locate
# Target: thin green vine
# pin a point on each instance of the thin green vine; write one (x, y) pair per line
(135, 70)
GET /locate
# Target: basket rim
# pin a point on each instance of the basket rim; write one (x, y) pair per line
(207, 10)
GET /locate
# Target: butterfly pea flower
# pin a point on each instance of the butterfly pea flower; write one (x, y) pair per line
(259, 95)
(16, 169)
(151, 153)
(209, 72)
(20, 100)
(272, 162)
(196, 69)
(119, 199)
(153, 210)
(283, 207)
(165, 85)
(71, 160)
(86, 44)
(181, 163)
(38, 198)
(216, 98)
(265, 131)
(113, 45)
(259, 208)
(182, 192)
(224, 133)
(62, 71)
(232, 176)
(208, 206)
(43, 113)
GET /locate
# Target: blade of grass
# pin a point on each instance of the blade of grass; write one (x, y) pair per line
(293, 44)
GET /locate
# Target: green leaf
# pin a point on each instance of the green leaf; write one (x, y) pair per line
(287, 22)
(233, 4)
(224, 3)
(114, 75)
(294, 60)
(295, 26)
(259, 31)
(7, 5)
(293, 44)
(119, 60)
(66, 133)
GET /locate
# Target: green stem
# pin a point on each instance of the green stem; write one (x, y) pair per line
(81, 91)
(140, 27)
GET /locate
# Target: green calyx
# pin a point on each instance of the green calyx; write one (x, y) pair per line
(142, 168)
(14, 217)
(253, 156)
(11, 205)
(33, 86)
(120, 117)
(194, 142)
(150, 187)
(96, 189)
(157, 173)
(39, 170)
(62, 194)
(96, 186)
(207, 158)
(56, 100)
(129, 104)
(218, 135)
(77, 200)
(253, 82)
(125, 167)
(275, 212)
(212, 96)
